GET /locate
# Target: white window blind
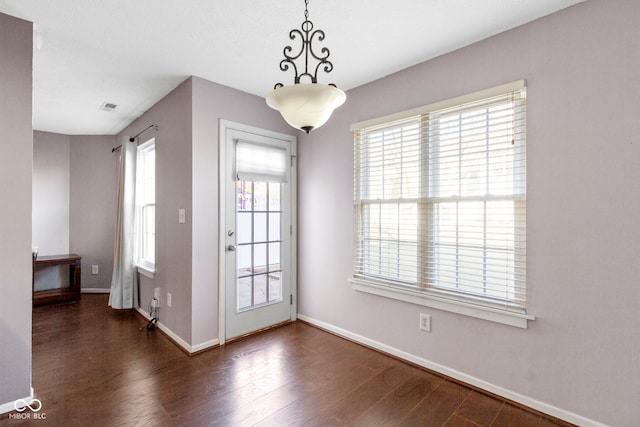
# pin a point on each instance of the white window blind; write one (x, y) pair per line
(259, 162)
(440, 200)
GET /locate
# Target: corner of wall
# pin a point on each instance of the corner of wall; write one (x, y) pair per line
(15, 211)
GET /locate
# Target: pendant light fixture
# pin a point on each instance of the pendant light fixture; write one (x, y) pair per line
(306, 106)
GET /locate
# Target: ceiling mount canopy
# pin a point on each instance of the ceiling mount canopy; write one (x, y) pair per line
(309, 105)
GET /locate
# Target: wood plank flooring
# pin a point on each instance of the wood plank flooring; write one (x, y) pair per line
(93, 366)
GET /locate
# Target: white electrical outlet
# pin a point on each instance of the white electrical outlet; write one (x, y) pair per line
(425, 322)
(156, 297)
(94, 269)
(168, 299)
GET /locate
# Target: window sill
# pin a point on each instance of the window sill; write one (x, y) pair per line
(147, 272)
(431, 299)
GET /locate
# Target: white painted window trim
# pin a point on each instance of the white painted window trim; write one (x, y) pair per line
(432, 298)
(145, 267)
(442, 299)
(147, 272)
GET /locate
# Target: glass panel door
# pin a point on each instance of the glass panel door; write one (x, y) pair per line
(258, 178)
(259, 242)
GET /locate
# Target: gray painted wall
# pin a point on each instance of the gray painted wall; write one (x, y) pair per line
(50, 193)
(93, 174)
(16, 143)
(74, 200)
(212, 102)
(172, 114)
(581, 354)
(187, 177)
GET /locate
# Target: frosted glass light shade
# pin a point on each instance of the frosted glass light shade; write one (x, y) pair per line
(306, 106)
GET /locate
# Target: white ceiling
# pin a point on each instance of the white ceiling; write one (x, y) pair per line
(133, 52)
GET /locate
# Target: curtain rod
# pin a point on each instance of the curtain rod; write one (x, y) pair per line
(133, 138)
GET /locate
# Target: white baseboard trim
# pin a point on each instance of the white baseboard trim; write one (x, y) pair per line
(460, 376)
(205, 345)
(190, 349)
(11, 406)
(95, 290)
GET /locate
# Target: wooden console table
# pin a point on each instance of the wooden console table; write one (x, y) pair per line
(70, 293)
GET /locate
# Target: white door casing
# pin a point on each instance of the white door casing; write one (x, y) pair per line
(256, 291)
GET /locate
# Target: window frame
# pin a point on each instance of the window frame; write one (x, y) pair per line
(145, 266)
(437, 296)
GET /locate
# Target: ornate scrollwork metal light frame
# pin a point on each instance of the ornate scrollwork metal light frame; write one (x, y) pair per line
(307, 35)
(306, 106)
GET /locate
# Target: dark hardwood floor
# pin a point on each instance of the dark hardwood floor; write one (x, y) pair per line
(93, 366)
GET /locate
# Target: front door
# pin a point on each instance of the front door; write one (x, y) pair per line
(259, 185)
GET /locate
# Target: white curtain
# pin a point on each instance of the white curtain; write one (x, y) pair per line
(124, 282)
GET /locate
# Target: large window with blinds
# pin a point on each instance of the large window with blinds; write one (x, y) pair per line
(440, 205)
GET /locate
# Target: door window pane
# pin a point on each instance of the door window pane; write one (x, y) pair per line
(258, 223)
(259, 289)
(274, 256)
(259, 258)
(259, 196)
(245, 195)
(275, 287)
(259, 227)
(274, 196)
(243, 260)
(274, 226)
(244, 227)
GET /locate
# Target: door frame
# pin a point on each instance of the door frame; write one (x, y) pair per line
(224, 127)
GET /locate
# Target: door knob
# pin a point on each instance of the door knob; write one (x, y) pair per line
(231, 248)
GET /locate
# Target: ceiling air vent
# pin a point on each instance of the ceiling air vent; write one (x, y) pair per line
(108, 106)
